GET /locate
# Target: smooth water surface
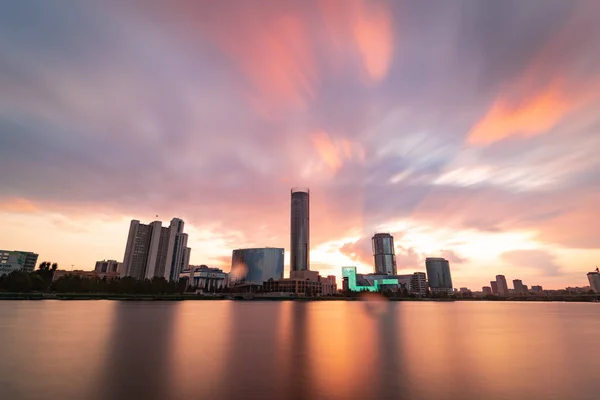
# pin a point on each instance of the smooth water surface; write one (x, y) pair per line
(296, 350)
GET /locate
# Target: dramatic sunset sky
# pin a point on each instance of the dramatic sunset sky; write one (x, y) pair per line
(467, 129)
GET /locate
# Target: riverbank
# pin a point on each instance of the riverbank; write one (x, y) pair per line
(266, 297)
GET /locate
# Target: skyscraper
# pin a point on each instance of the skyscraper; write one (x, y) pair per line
(156, 251)
(502, 286)
(300, 230)
(383, 254)
(438, 275)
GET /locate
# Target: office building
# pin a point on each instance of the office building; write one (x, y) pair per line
(205, 279)
(156, 251)
(255, 266)
(300, 230)
(108, 268)
(486, 290)
(438, 275)
(383, 254)
(418, 284)
(502, 286)
(11, 260)
(594, 279)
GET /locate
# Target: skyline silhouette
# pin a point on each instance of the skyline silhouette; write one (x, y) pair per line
(468, 130)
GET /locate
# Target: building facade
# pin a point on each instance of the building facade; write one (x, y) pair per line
(418, 284)
(302, 283)
(537, 289)
(11, 260)
(374, 282)
(438, 275)
(300, 230)
(156, 251)
(108, 268)
(594, 279)
(519, 287)
(486, 290)
(257, 265)
(502, 285)
(383, 254)
(494, 286)
(205, 279)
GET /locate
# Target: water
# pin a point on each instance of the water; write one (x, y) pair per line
(292, 350)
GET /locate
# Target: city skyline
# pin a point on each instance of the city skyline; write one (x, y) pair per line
(461, 141)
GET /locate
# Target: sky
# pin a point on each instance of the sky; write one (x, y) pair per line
(467, 129)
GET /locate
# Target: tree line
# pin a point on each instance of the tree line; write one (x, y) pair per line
(41, 280)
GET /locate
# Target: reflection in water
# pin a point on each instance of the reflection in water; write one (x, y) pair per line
(390, 357)
(138, 354)
(252, 368)
(298, 350)
(299, 368)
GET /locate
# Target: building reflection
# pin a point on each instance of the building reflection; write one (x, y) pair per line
(299, 368)
(251, 368)
(139, 353)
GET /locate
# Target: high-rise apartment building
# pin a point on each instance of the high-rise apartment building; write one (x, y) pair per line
(300, 230)
(502, 286)
(486, 290)
(156, 251)
(494, 286)
(17, 260)
(383, 254)
(519, 287)
(438, 275)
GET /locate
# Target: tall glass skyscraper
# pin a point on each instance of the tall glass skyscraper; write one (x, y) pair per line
(383, 253)
(300, 230)
(438, 275)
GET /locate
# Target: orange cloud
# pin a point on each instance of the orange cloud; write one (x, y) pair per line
(542, 97)
(374, 37)
(532, 116)
(18, 205)
(335, 152)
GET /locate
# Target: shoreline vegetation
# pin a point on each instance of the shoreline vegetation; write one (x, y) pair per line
(273, 297)
(41, 285)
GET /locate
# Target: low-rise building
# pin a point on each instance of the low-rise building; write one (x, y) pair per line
(302, 283)
(59, 273)
(374, 282)
(537, 289)
(418, 283)
(204, 278)
(108, 268)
